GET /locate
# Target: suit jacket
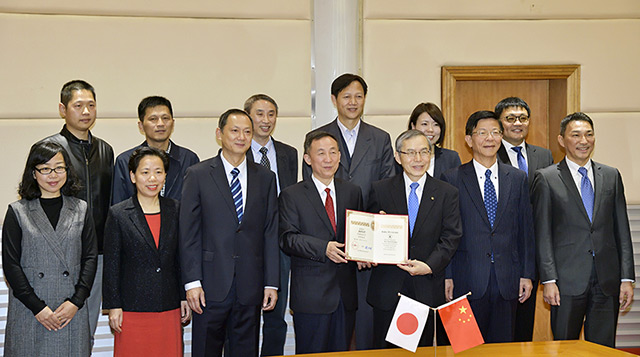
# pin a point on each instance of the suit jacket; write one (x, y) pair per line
(137, 276)
(214, 248)
(537, 158)
(372, 158)
(317, 283)
(445, 159)
(566, 238)
(287, 158)
(511, 239)
(180, 159)
(434, 241)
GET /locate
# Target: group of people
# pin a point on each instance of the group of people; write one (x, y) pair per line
(161, 238)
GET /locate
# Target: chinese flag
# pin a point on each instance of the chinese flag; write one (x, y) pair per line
(460, 324)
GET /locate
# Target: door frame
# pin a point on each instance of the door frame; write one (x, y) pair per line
(564, 93)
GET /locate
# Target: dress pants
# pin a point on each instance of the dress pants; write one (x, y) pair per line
(228, 318)
(598, 311)
(495, 315)
(525, 315)
(318, 333)
(364, 315)
(274, 328)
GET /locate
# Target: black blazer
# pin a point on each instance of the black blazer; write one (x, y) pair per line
(510, 239)
(566, 238)
(317, 283)
(445, 159)
(287, 158)
(537, 158)
(138, 276)
(434, 241)
(214, 248)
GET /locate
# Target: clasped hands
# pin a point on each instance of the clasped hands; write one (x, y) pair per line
(56, 320)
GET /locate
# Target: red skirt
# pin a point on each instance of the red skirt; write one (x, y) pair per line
(149, 334)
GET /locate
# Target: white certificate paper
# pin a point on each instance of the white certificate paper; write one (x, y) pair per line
(377, 238)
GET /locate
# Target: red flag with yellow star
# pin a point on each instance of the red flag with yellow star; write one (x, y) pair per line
(460, 324)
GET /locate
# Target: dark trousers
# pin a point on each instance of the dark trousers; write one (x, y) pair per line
(525, 316)
(317, 333)
(364, 315)
(494, 314)
(598, 311)
(274, 328)
(240, 323)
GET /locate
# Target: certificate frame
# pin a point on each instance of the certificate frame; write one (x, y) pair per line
(376, 238)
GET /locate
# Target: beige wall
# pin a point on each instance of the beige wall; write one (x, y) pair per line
(205, 56)
(405, 44)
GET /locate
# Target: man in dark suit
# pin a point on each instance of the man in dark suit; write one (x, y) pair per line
(515, 115)
(282, 159)
(432, 206)
(495, 258)
(229, 242)
(156, 123)
(584, 250)
(366, 156)
(324, 295)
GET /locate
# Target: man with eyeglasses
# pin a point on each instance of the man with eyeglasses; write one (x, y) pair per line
(435, 231)
(495, 258)
(515, 115)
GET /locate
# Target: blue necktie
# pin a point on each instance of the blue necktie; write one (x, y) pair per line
(522, 163)
(413, 205)
(490, 199)
(586, 191)
(236, 193)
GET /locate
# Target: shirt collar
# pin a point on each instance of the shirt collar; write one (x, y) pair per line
(320, 186)
(573, 167)
(408, 182)
(480, 169)
(255, 146)
(228, 167)
(508, 146)
(345, 131)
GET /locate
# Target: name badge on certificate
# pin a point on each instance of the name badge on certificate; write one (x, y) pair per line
(377, 238)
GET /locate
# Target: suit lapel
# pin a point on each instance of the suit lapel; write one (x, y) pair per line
(140, 222)
(470, 181)
(220, 181)
(174, 169)
(311, 192)
(166, 216)
(567, 179)
(598, 184)
(426, 204)
(251, 193)
(532, 159)
(333, 128)
(503, 155)
(341, 211)
(504, 188)
(281, 161)
(363, 144)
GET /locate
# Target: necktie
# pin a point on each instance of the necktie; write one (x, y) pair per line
(236, 193)
(412, 206)
(328, 206)
(586, 190)
(264, 160)
(490, 199)
(522, 163)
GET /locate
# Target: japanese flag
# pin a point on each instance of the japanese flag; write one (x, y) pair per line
(408, 323)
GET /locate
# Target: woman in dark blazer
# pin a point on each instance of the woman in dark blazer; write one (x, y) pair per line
(428, 118)
(141, 282)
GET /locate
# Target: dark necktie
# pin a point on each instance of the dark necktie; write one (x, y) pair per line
(264, 160)
(586, 190)
(236, 193)
(328, 206)
(522, 163)
(412, 206)
(490, 199)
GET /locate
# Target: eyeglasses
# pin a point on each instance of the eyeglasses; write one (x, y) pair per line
(48, 170)
(484, 133)
(512, 119)
(413, 154)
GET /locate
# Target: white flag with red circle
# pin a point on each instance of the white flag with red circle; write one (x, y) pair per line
(408, 323)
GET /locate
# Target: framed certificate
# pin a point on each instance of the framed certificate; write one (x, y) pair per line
(377, 238)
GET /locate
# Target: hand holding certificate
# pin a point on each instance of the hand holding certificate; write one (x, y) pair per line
(377, 238)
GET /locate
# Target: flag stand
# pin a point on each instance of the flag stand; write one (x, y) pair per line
(435, 326)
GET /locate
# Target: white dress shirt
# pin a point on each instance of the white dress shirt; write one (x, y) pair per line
(323, 194)
(513, 156)
(419, 189)
(480, 170)
(350, 136)
(271, 155)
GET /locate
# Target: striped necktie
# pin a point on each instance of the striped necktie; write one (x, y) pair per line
(236, 193)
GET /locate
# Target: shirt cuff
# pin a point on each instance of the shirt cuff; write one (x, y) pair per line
(549, 281)
(271, 287)
(192, 285)
(627, 280)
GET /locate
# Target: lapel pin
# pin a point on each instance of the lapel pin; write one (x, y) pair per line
(432, 198)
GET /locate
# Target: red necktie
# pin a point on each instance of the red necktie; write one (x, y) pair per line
(328, 206)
